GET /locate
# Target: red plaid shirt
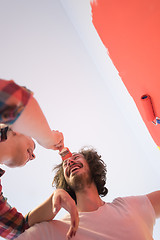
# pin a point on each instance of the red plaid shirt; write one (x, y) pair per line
(12, 223)
(13, 99)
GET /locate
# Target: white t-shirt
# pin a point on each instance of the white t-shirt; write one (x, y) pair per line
(129, 218)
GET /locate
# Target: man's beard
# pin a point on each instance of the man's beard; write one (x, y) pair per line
(80, 181)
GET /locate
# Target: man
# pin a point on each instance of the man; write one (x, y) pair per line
(20, 110)
(20, 119)
(16, 150)
(83, 176)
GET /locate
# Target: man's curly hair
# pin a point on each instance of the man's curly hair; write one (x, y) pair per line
(97, 168)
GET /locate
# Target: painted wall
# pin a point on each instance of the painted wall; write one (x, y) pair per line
(131, 33)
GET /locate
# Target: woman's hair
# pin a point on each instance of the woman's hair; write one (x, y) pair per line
(97, 168)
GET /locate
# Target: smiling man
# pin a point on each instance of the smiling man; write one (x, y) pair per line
(83, 173)
(83, 177)
(76, 172)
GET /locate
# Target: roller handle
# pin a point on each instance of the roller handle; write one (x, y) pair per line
(148, 107)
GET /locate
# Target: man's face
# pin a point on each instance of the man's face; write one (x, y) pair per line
(76, 172)
(22, 148)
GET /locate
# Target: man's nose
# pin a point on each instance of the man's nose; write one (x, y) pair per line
(32, 156)
(70, 161)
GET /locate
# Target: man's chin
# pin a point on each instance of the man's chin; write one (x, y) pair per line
(79, 181)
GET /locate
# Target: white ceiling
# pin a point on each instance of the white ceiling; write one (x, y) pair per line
(52, 48)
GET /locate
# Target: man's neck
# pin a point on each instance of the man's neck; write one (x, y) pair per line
(88, 199)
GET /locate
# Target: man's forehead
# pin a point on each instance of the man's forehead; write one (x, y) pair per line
(34, 144)
(74, 154)
(77, 154)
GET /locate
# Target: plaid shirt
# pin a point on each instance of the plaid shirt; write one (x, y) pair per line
(13, 99)
(12, 223)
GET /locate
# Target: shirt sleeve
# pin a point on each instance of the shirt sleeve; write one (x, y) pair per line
(13, 99)
(141, 207)
(12, 223)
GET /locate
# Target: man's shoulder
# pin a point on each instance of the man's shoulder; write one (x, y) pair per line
(130, 200)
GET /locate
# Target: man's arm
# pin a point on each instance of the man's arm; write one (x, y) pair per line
(20, 110)
(13, 223)
(48, 210)
(33, 123)
(154, 198)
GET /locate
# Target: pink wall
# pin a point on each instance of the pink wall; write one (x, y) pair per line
(130, 30)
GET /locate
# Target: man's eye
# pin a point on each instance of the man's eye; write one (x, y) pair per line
(14, 133)
(64, 164)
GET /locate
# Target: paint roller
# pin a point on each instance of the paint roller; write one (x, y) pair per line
(148, 108)
(65, 153)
